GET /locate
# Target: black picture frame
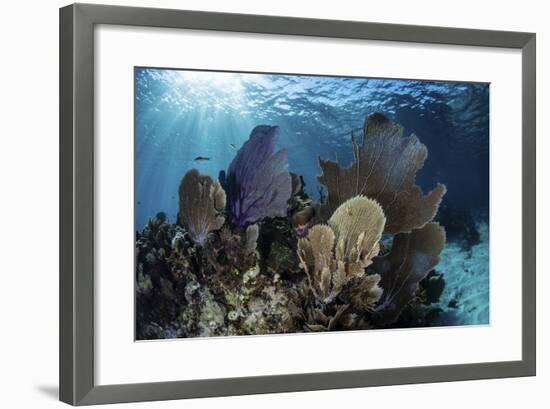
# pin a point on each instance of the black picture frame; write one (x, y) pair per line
(77, 21)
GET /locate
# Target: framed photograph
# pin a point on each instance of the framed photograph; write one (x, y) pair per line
(257, 204)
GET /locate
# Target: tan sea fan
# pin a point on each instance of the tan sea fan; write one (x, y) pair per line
(316, 253)
(384, 169)
(333, 254)
(201, 203)
(358, 224)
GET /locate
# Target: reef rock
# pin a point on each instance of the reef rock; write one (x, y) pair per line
(228, 255)
(156, 308)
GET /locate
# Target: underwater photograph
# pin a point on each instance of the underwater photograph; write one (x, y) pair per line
(291, 203)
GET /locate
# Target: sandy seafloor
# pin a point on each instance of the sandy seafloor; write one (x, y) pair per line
(465, 299)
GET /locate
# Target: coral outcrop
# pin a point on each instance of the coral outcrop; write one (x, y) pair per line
(157, 288)
(281, 262)
(257, 182)
(230, 254)
(201, 205)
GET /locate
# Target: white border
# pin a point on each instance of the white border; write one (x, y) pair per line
(120, 360)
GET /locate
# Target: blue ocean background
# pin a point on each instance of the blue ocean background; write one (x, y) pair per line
(182, 114)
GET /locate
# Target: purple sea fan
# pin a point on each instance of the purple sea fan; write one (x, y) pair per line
(258, 183)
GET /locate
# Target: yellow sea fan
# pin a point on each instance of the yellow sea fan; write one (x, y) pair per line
(358, 225)
(333, 254)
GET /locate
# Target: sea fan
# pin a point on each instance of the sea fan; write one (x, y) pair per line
(258, 183)
(412, 257)
(384, 169)
(201, 203)
(332, 255)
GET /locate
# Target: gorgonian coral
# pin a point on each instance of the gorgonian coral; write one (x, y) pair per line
(333, 254)
(285, 263)
(231, 252)
(384, 169)
(201, 203)
(258, 183)
(316, 253)
(412, 257)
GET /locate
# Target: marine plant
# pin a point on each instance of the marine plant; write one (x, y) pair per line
(201, 205)
(257, 182)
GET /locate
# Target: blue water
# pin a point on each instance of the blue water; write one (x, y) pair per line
(184, 114)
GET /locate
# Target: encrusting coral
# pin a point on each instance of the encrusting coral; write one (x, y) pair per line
(201, 203)
(229, 254)
(156, 307)
(271, 260)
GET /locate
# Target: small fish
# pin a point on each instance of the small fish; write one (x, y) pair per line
(232, 146)
(200, 158)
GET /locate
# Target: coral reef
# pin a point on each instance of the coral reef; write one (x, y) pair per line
(157, 305)
(361, 258)
(257, 182)
(201, 201)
